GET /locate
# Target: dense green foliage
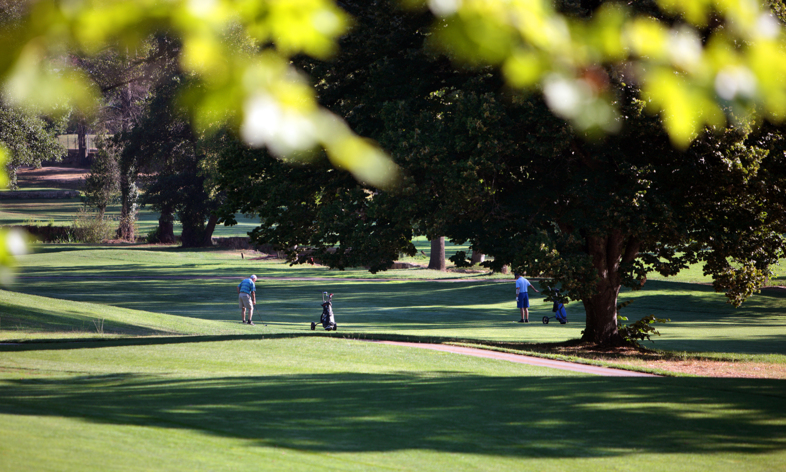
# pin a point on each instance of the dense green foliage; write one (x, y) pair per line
(697, 63)
(28, 139)
(102, 186)
(162, 144)
(497, 169)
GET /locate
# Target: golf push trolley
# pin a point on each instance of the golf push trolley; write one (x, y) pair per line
(327, 319)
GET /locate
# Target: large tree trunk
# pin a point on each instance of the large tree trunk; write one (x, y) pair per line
(190, 236)
(608, 253)
(13, 177)
(166, 226)
(125, 230)
(437, 260)
(601, 326)
(477, 257)
(196, 233)
(207, 241)
(81, 140)
(128, 201)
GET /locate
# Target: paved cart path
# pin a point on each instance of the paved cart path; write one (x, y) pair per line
(521, 359)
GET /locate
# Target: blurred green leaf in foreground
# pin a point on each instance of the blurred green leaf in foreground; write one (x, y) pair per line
(697, 62)
(258, 91)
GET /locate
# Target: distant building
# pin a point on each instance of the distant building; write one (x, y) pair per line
(71, 143)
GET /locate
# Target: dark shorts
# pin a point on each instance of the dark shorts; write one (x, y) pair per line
(522, 301)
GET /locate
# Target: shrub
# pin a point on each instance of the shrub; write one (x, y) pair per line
(640, 330)
(47, 233)
(459, 259)
(154, 236)
(91, 227)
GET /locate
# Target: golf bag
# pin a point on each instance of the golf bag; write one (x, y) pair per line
(559, 312)
(558, 308)
(327, 319)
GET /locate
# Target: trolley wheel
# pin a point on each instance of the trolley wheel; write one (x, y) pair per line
(335, 327)
(313, 326)
(545, 320)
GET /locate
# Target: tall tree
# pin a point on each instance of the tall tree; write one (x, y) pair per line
(167, 146)
(304, 202)
(29, 139)
(501, 171)
(102, 186)
(124, 79)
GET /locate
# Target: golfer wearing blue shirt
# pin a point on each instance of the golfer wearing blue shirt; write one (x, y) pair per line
(247, 296)
(522, 296)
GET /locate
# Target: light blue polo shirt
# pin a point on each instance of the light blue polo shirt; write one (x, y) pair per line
(522, 284)
(247, 286)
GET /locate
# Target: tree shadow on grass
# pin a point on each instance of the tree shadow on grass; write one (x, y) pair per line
(700, 302)
(57, 248)
(439, 411)
(98, 343)
(38, 320)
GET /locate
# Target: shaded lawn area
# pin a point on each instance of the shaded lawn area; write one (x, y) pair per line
(169, 261)
(305, 404)
(402, 307)
(702, 321)
(59, 212)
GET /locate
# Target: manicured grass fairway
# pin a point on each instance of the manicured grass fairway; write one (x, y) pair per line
(393, 302)
(281, 397)
(333, 404)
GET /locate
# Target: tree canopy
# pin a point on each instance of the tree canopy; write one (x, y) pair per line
(496, 168)
(696, 63)
(164, 144)
(28, 139)
(692, 61)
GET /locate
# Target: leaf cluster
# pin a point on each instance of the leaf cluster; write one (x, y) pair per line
(642, 329)
(28, 138)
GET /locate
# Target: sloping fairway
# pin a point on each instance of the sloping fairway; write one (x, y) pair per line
(25, 316)
(202, 285)
(332, 404)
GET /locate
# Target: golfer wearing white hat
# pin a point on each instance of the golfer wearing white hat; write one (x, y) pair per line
(247, 295)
